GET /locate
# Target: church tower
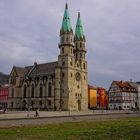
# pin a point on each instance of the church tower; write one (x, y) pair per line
(81, 65)
(73, 66)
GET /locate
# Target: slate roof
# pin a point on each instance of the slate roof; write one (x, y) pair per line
(20, 70)
(37, 69)
(122, 84)
(125, 86)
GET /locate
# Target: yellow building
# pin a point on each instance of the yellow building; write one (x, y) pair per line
(92, 97)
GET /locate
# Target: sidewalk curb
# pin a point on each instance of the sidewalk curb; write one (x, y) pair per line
(68, 116)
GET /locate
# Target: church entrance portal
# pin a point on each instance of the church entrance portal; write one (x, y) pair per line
(79, 105)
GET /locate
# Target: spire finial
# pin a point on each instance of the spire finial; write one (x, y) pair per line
(78, 13)
(66, 4)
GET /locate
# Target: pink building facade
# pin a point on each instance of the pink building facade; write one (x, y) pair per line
(4, 94)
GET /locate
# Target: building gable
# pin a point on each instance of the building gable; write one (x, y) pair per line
(13, 72)
(113, 85)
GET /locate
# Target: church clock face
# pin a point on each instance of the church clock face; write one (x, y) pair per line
(78, 76)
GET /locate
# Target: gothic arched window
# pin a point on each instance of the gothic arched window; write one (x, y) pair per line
(24, 91)
(71, 51)
(84, 66)
(76, 56)
(71, 62)
(12, 93)
(40, 104)
(67, 39)
(62, 50)
(76, 45)
(12, 104)
(40, 90)
(32, 91)
(80, 55)
(63, 62)
(49, 90)
(80, 44)
(32, 103)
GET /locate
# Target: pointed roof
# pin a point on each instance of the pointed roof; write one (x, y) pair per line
(124, 86)
(41, 69)
(36, 69)
(79, 33)
(19, 70)
(66, 25)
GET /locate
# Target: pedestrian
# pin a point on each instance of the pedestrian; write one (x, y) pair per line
(36, 113)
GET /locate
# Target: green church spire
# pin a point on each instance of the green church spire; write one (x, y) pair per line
(79, 33)
(66, 25)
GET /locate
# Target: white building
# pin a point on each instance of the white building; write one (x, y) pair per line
(122, 95)
(137, 86)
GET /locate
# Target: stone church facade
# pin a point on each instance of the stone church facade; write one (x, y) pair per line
(60, 85)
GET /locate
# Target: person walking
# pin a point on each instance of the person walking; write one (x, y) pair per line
(37, 112)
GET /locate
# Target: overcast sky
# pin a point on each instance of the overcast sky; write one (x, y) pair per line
(29, 31)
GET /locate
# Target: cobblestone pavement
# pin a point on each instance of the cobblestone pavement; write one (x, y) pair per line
(27, 118)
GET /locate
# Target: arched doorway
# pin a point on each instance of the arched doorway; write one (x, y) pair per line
(79, 105)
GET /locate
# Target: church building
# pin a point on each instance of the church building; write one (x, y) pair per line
(60, 85)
